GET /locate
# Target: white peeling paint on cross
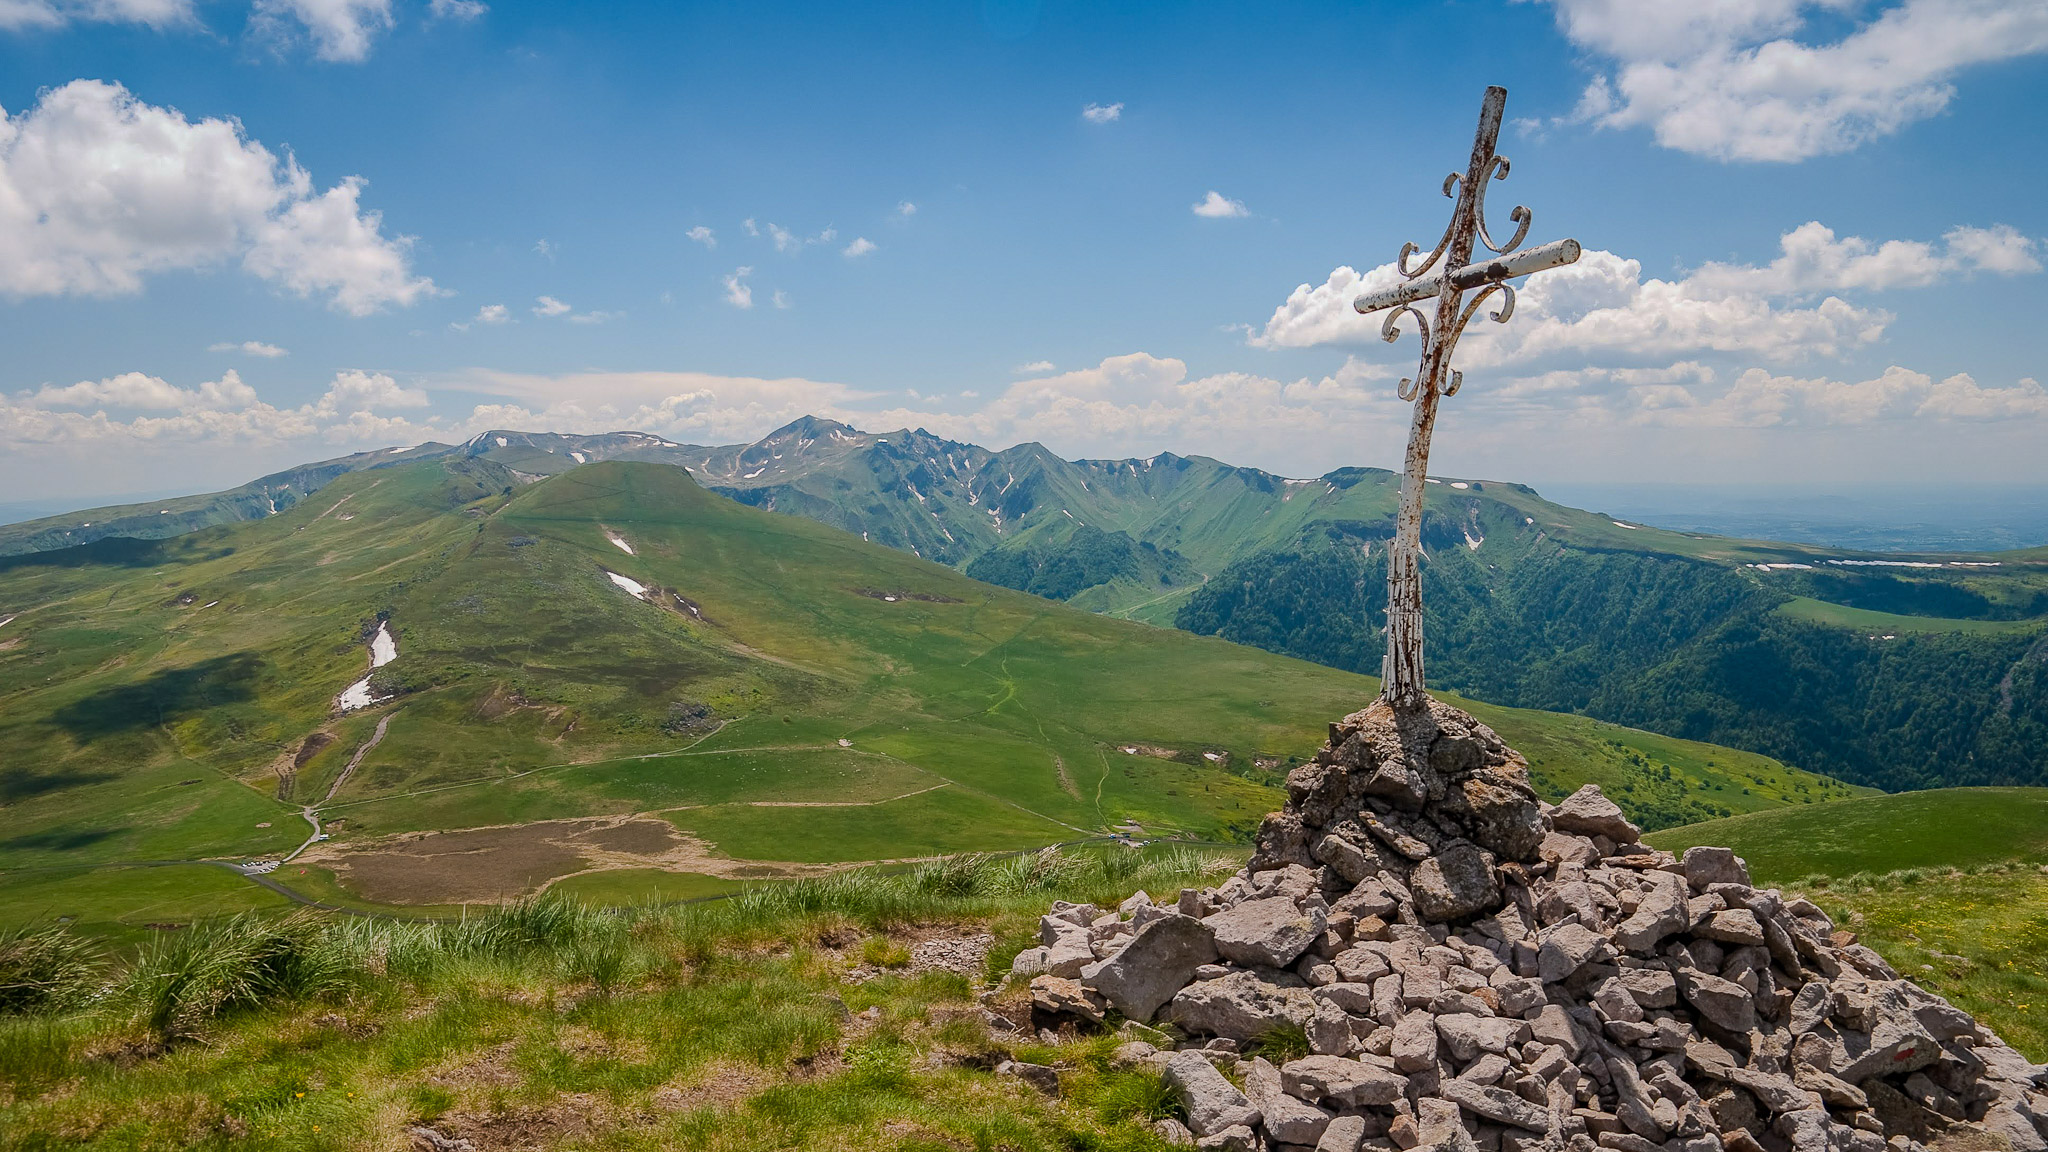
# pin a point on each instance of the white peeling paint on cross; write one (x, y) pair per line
(1401, 683)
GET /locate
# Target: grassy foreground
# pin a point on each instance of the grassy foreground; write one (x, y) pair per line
(791, 1016)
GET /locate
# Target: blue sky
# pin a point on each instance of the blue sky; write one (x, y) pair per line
(235, 236)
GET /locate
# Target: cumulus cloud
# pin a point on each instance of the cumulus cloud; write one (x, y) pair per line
(702, 235)
(906, 208)
(137, 408)
(489, 314)
(1760, 399)
(779, 298)
(737, 291)
(549, 306)
(1035, 368)
(1102, 113)
(99, 190)
(1814, 260)
(861, 246)
(249, 348)
(21, 14)
(341, 30)
(1602, 307)
(464, 10)
(1217, 206)
(1736, 81)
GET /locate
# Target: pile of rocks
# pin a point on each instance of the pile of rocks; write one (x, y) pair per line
(1470, 969)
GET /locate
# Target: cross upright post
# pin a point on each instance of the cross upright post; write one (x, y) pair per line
(1401, 674)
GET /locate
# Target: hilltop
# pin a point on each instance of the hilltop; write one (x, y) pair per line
(615, 680)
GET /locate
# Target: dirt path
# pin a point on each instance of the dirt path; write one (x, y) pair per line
(341, 778)
(311, 812)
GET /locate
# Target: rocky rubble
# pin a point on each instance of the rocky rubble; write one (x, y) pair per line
(1476, 971)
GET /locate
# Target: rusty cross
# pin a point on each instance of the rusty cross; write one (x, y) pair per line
(1401, 684)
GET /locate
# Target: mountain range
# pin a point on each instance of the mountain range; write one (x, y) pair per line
(1896, 670)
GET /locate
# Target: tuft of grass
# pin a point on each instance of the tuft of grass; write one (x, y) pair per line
(1281, 1043)
(45, 968)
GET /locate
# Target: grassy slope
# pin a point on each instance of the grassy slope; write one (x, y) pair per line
(1864, 620)
(1948, 828)
(151, 694)
(1948, 885)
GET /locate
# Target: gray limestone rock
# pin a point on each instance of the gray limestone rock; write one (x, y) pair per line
(1286, 1118)
(1589, 812)
(1239, 1006)
(1568, 947)
(1467, 1036)
(1706, 866)
(1496, 1104)
(1344, 1134)
(1345, 1083)
(1728, 1004)
(1415, 1042)
(1271, 932)
(1156, 964)
(1662, 912)
(1213, 1103)
(1455, 883)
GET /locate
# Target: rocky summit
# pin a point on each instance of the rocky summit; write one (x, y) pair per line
(1472, 970)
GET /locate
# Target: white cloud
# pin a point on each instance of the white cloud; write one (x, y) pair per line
(98, 191)
(787, 241)
(545, 247)
(1217, 206)
(1035, 368)
(702, 235)
(594, 317)
(491, 314)
(1603, 307)
(1102, 113)
(747, 226)
(779, 298)
(1733, 81)
(329, 244)
(861, 246)
(737, 292)
(249, 348)
(148, 393)
(549, 306)
(1759, 399)
(341, 30)
(1814, 260)
(19, 14)
(359, 392)
(906, 208)
(457, 9)
(214, 412)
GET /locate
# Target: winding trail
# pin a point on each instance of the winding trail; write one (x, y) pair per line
(312, 811)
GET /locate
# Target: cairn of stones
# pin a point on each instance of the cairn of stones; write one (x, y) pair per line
(1473, 970)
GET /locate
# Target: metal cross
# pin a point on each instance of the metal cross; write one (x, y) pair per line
(1401, 684)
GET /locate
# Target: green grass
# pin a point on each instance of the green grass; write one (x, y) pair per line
(155, 694)
(630, 886)
(120, 903)
(1889, 623)
(715, 1026)
(1944, 828)
(929, 824)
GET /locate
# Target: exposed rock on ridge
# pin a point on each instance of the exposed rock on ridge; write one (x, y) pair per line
(1476, 971)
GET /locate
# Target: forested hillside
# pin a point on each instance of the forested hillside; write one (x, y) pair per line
(1674, 645)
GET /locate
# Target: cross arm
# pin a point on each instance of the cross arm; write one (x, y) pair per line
(1479, 273)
